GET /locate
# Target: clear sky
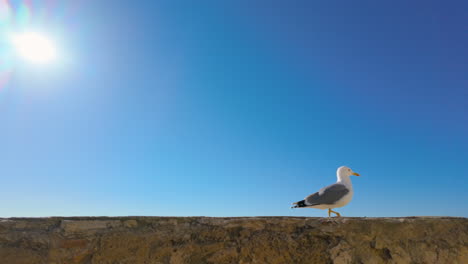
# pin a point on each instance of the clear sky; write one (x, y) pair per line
(235, 108)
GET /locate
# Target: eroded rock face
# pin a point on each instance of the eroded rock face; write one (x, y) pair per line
(151, 240)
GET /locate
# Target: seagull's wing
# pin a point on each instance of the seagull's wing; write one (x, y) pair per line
(328, 195)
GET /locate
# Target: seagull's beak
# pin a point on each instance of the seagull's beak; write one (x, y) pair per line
(356, 174)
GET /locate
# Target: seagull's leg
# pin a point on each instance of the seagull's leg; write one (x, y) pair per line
(337, 214)
(329, 212)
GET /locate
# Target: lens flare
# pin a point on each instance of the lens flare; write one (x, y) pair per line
(5, 58)
(5, 14)
(28, 16)
(23, 15)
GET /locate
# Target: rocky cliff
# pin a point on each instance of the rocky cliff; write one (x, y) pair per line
(151, 240)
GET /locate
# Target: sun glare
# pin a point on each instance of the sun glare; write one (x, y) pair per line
(34, 47)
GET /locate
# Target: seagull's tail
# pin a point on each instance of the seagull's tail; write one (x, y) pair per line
(299, 204)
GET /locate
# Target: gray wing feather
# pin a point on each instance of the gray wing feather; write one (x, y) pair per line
(328, 195)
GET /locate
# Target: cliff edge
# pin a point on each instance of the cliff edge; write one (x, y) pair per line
(151, 240)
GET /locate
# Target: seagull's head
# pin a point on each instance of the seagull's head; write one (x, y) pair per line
(345, 171)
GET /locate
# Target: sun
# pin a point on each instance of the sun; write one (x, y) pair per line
(34, 47)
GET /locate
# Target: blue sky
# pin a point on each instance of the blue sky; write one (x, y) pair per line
(236, 108)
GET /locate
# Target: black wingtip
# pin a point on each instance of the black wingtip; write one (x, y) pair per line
(299, 204)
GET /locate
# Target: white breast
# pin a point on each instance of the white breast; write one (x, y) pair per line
(347, 198)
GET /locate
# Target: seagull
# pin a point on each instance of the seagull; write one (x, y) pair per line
(336, 195)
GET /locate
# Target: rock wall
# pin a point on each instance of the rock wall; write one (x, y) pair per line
(151, 240)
